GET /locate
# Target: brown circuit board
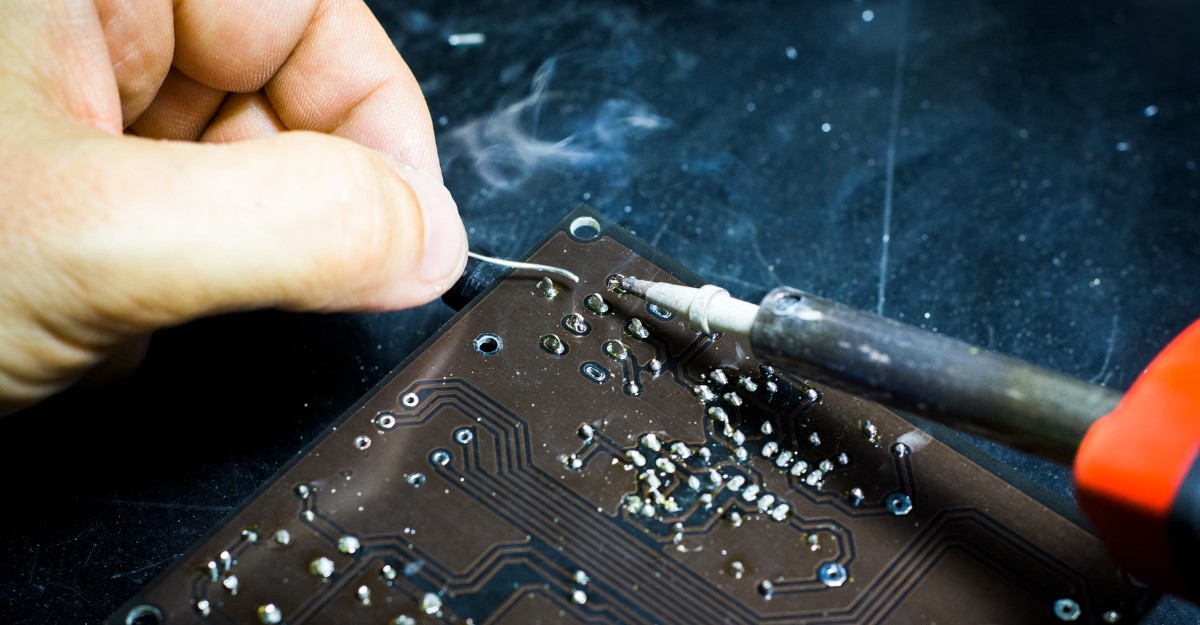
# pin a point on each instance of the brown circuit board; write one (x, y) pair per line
(571, 455)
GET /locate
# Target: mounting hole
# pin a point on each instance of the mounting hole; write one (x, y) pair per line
(144, 615)
(585, 228)
(1067, 610)
(488, 344)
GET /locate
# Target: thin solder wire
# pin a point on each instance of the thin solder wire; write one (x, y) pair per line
(513, 264)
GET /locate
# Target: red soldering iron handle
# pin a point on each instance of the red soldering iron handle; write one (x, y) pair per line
(1137, 474)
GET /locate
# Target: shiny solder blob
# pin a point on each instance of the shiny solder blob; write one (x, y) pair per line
(597, 304)
(616, 350)
(546, 288)
(635, 328)
(576, 324)
(554, 345)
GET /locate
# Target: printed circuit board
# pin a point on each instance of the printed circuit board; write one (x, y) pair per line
(563, 453)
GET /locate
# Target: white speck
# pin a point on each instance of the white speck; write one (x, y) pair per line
(791, 53)
(868, 15)
(926, 315)
(431, 603)
(269, 614)
(321, 567)
(466, 39)
(1123, 146)
(1096, 282)
(751, 107)
(1150, 111)
(348, 544)
(579, 597)
(826, 127)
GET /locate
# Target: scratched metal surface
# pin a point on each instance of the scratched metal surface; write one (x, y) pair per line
(1014, 173)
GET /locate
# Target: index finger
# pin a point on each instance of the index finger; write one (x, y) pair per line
(324, 65)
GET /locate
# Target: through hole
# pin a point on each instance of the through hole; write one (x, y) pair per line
(488, 344)
(144, 615)
(385, 421)
(585, 228)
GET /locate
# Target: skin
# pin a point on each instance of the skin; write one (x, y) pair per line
(164, 160)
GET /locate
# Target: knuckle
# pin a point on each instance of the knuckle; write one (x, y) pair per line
(369, 219)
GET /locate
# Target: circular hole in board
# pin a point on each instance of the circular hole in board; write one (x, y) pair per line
(144, 615)
(488, 344)
(584, 228)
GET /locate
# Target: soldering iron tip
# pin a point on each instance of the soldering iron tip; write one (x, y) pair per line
(635, 286)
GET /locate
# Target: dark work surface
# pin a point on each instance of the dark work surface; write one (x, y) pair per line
(1020, 174)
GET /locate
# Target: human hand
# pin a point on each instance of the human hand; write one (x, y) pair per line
(106, 236)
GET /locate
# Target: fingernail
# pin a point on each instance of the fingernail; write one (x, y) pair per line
(445, 239)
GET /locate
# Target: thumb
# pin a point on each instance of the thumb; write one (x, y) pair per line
(300, 221)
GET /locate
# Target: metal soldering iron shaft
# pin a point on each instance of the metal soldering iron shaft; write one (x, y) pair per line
(900, 365)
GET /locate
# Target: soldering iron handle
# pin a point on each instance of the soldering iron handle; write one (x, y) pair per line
(928, 374)
(1137, 474)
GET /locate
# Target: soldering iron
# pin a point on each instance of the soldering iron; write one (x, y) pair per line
(1137, 476)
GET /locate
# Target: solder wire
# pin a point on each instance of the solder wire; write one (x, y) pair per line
(513, 264)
